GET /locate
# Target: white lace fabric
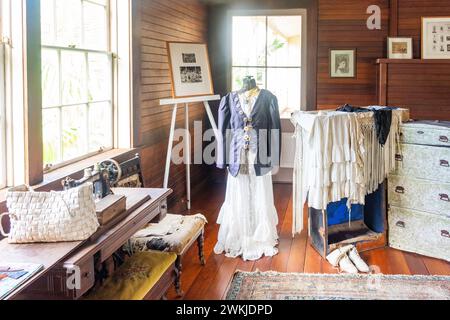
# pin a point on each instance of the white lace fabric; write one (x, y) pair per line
(248, 218)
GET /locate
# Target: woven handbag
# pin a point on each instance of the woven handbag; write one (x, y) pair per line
(51, 216)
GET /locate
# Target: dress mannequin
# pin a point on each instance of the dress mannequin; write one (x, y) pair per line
(248, 217)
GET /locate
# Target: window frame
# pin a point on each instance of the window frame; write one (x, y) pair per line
(111, 8)
(303, 63)
(3, 156)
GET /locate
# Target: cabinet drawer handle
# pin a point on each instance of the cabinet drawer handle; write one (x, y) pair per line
(400, 190)
(445, 234)
(398, 157)
(443, 139)
(444, 163)
(400, 224)
(420, 132)
(444, 197)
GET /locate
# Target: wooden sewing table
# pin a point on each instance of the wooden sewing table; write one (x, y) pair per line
(143, 206)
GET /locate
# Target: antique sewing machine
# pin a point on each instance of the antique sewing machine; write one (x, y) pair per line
(103, 176)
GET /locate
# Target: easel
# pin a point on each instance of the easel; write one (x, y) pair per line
(187, 137)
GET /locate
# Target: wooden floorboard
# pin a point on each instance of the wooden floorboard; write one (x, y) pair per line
(212, 281)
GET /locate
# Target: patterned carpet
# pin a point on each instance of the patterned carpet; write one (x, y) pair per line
(296, 286)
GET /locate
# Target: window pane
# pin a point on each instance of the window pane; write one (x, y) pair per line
(240, 73)
(50, 78)
(286, 85)
(249, 41)
(100, 82)
(51, 131)
(100, 126)
(284, 41)
(48, 27)
(68, 23)
(73, 70)
(95, 26)
(74, 131)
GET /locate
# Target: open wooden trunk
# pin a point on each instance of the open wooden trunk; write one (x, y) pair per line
(331, 228)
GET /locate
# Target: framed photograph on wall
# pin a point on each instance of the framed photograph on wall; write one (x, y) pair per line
(400, 48)
(189, 69)
(343, 63)
(436, 38)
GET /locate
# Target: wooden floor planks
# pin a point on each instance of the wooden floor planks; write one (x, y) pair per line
(212, 281)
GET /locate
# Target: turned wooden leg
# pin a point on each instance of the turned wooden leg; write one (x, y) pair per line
(201, 242)
(179, 268)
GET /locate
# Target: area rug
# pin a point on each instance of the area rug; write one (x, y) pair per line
(296, 286)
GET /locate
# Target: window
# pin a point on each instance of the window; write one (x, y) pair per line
(77, 79)
(269, 48)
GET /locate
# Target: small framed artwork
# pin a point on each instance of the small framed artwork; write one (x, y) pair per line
(190, 70)
(343, 63)
(436, 38)
(400, 48)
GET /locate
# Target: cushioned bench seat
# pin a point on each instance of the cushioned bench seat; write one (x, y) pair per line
(175, 233)
(138, 276)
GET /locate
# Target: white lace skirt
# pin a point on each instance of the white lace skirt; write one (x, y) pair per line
(248, 218)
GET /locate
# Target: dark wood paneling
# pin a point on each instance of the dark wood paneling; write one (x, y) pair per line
(345, 26)
(160, 21)
(410, 13)
(419, 85)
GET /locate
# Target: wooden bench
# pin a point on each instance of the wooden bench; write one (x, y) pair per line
(176, 234)
(144, 276)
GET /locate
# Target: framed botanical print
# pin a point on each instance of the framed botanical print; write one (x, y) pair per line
(400, 48)
(190, 69)
(436, 38)
(343, 63)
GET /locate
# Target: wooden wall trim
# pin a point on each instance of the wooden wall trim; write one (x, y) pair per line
(136, 21)
(312, 47)
(393, 18)
(382, 83)
(34, 162)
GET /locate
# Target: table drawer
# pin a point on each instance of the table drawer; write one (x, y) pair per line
(423, 195)
(424, 162)
(419, 232)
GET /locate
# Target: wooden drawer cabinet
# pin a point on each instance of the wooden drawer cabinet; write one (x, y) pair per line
(420, 194)
(419, 232)
(419, 191)
(424, 162)
(423, 134)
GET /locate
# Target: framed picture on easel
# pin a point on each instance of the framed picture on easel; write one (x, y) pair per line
(189, 69)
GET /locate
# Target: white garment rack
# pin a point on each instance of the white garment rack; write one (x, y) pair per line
(187, 140)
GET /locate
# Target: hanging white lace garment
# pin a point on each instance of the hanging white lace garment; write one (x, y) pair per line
(339, 156)
(248, 218)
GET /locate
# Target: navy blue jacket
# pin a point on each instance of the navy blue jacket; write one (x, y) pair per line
(239, 131)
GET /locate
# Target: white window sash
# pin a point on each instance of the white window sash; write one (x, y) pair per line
(110, 33)
(302, 67)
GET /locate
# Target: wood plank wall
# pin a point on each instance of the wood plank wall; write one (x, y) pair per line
(409, 18)
(161, 21)
(422, 87)
(342, 24)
